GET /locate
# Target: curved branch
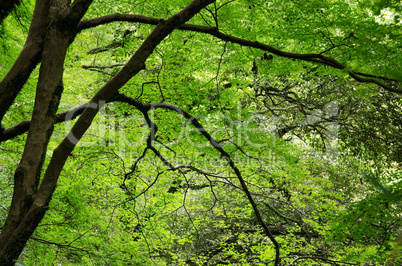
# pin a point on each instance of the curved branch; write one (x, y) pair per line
(312, 57)
(373, 80)
(144, 108)
(227, 157)
(90, 23)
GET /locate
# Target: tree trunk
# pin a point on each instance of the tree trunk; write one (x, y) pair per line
(23, 216)
(29, 203)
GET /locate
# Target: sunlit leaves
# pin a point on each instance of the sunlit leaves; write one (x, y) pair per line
(120, 202)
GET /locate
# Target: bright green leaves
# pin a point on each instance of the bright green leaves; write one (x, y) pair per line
(119, 202)
(379, 5)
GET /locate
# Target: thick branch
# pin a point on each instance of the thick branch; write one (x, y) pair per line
(30, 55)
(23, 126)
(317, 58)
(26, 210)
(27, 60)
(78, 9)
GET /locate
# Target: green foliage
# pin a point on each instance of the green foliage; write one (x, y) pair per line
(118, 203)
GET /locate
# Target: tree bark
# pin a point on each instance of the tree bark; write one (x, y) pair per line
(27, 60)
(29, 204)
(20, 224)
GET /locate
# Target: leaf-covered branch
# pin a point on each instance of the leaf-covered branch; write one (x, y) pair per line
(312, 57)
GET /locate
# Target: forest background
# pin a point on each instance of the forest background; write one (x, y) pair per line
(236, 132)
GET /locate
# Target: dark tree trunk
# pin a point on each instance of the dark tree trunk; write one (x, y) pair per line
(23, 216)
(31, 199)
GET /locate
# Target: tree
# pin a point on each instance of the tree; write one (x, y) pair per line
(284, 66)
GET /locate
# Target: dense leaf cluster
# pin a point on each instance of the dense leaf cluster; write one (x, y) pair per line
(256, 133)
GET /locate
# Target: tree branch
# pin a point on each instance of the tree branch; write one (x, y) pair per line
(144, 108)
(102, 67)
(105, 48)
(227, 157)
(78, 9)
(317, 58)
(23, 126)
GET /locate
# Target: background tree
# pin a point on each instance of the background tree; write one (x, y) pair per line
(203, 155)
